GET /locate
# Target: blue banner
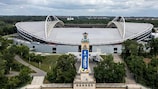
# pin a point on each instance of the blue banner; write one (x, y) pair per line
(85, 59)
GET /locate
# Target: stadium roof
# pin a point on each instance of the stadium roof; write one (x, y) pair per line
(52, 31)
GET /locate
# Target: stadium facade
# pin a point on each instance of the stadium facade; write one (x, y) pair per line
(53, 37)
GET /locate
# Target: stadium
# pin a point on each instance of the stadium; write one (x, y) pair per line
(53, 37)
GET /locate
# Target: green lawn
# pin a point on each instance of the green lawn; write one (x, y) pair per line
(103, 56)
(47, 63)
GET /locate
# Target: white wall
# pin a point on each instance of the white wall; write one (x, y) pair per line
(107, 48)
(67, 48)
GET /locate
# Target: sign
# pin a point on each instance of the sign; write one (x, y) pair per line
(85, 59)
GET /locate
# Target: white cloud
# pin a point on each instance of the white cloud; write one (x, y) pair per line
(76, 7)
(38, 2)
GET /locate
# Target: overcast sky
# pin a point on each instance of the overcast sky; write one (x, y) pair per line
(80, 7)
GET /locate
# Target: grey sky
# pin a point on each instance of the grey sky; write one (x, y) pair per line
(80, 7)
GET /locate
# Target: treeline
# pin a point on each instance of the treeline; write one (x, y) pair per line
(134, 55)
(7, 23)
(6, 28)
(7, 64)
(15, 19)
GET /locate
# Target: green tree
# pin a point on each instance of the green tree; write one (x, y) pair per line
(130, 47)
(24, 76)
(8, 58)
(23, 51)
(13, 82)
(4, 43)
(2, 67)
(3, 79)
(109, 72)
(3, 82)
(145, 74)
(64, 71)
(13, 49)
(153, 47)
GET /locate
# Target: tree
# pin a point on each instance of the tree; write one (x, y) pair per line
(13, 82)
(3, 82)
(24, 76)
(130, 47)
(153, 47)
(23, 51)
(145, 74)
(13, 49)
(38, 58)
(3, 79)
(64, 71)
(4, 43)
(8, 57)
(109, 72)
(2, 67)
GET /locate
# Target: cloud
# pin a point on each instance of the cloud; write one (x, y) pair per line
(78, 7)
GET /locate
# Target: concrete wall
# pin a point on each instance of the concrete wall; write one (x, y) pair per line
(47, 48)
(37, 46)
(54, 88)
(110, 88)
(66, 48)
(89, 88)
(107, 48)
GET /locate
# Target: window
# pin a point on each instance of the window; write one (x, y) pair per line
(115, 50)
(54, 50)
(90, 48)
(79, 48)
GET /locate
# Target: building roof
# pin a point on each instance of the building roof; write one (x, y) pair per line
(73, 36)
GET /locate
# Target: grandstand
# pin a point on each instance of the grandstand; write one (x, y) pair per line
(52, 36)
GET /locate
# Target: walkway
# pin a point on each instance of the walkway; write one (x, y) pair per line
(37, 80)
(38, 71)
(117, 58)
(12, 73)
(38, 77)
(129, 77)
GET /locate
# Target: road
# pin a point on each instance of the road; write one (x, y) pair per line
(38, 71)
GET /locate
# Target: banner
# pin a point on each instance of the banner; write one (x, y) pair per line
(85, 59)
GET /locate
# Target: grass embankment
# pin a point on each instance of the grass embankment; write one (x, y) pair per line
(47, 63)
